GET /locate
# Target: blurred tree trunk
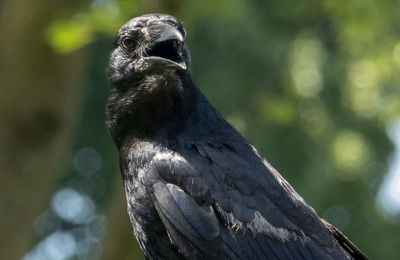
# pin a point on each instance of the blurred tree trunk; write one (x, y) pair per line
(39, 97)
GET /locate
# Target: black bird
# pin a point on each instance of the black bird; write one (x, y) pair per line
(195, 187)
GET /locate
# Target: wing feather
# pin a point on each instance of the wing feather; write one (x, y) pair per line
(232, 207)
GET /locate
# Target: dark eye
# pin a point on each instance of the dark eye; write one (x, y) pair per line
(128, 42)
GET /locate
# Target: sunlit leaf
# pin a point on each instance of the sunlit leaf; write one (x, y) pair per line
(68, 35)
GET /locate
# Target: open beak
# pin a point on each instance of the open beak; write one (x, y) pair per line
(167, 50)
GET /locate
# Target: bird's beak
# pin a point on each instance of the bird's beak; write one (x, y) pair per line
(167, 50)
(170, 33)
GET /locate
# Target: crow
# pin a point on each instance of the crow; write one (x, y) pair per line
(195, 187)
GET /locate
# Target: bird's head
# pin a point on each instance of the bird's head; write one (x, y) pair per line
(148, 45)
(149, 72)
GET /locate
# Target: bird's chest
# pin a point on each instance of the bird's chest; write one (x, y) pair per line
(148, 228)
(142, 214)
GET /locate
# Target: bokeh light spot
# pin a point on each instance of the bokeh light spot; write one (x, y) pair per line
(363, 92)
(350, 153)
(71, 206)
(87, 161)
(68, 36)
(308, 56)
(389, 193)
(57, 246)
(364, 74)
(308, 81)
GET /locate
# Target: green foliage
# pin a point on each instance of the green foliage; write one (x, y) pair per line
(101, 18)
(69, 35)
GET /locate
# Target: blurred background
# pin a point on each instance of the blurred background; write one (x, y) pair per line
(314, 85)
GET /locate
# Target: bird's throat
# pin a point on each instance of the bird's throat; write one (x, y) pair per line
(156, 106)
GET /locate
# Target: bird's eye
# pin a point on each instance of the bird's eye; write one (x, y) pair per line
(128, 42)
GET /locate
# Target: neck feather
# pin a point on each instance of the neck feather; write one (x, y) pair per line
(156, 106)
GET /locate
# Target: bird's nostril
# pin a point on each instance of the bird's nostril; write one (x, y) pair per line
(177, 44)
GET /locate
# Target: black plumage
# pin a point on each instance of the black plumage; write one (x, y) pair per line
(195, 187)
